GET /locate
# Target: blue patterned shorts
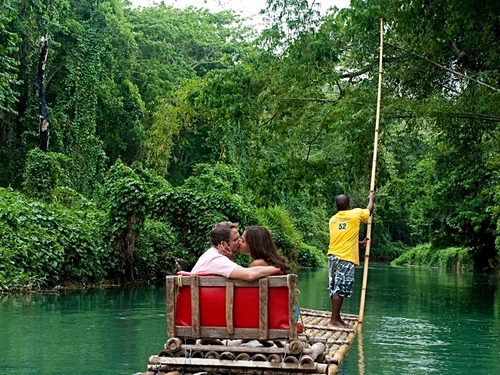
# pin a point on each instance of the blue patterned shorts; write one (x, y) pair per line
(340, 277)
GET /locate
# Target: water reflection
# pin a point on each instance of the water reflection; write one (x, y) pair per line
(422, 321)
(417, 321)
(404, 335)
(86, 332)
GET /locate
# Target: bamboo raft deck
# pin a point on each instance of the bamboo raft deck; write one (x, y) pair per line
(314, 348)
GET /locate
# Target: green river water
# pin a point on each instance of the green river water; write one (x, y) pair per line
(417, 321)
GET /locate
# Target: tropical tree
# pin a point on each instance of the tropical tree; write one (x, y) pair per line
(442, 84)
(8, 64)
(93, 105)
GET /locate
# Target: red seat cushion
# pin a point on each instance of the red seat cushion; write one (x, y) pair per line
(246, 307)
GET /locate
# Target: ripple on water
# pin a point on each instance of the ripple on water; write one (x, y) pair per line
(419, 346)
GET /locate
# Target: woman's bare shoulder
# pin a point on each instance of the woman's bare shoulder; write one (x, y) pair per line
(258, 262)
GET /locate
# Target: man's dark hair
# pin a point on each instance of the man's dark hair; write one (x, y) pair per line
(222, 232)
(343, 202)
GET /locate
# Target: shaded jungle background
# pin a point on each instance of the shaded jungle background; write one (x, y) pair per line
(164, 121)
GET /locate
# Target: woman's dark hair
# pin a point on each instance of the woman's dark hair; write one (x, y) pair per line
(262, 246)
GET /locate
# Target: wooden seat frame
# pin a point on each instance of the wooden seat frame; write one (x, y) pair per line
(175, 283)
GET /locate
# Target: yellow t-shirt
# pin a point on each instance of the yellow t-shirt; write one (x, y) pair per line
(344, 233)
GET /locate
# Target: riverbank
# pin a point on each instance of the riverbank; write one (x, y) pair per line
(459, 259)
(70, 287)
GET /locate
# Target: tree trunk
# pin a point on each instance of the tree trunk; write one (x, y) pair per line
(39, 92)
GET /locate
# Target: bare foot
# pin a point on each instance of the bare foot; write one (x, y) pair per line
(339, 324)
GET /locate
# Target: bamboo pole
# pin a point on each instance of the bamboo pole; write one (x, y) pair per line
(291, 359)
(259, 357)
(361, 359)
(295, 347)
(173, 344)
(242, 357)
(372, 183)
(306, 360)
(274, 358)
(242, 349)
(228, 355)
(196, 365)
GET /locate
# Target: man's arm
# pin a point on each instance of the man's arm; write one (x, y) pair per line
(254, 273)
(371, 202)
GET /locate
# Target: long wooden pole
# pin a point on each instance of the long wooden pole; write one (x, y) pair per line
(372, 183)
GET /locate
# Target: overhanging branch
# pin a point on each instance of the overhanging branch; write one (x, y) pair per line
(470, 116)
(443, 67)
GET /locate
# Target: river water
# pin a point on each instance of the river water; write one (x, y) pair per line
(417, 321)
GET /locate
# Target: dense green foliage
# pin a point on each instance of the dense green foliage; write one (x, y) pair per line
(452, 258)
(127, 206)
(44, 245)
(193, 208)
(164, 121)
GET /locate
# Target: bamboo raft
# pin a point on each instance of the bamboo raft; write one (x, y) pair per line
(243, 316)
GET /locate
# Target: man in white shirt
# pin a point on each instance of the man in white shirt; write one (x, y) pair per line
(217, 260)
